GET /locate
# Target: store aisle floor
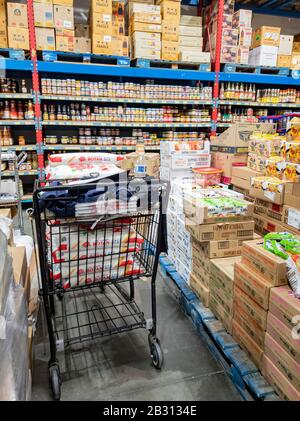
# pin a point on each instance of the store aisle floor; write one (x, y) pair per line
(119, 367)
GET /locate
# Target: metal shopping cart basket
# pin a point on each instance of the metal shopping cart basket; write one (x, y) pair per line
(91, 253)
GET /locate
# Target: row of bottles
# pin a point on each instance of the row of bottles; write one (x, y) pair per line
(12, 110)
(278, 96)
(237, 92)
(13, 86)
(228, 114)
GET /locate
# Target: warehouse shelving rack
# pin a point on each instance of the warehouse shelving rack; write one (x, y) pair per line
(37, 68)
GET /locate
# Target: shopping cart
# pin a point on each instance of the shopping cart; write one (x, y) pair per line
(91, 255)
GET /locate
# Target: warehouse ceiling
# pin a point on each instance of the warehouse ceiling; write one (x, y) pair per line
(284, 5)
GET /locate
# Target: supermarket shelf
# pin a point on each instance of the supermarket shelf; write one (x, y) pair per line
(16, 96)
(19, 148)
(22, 173)
(97, 148)
(260, 78)
(245, 376)
(124, 100)
(17, 123)
(259, 104)
(121, 124)
(132, 72)
(17, 65)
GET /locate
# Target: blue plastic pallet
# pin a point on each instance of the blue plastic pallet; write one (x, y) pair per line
(242, 371)
(177, 65)
(247, 68)
(51, 56)
(12, 53)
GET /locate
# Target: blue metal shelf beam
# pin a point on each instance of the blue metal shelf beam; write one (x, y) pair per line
(259, 78)
(18, 65)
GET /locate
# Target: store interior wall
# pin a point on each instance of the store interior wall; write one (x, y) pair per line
(289, 26)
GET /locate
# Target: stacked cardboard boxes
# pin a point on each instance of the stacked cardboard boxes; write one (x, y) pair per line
(64, 25)
(44, 26)
(3, 30)
(265, 46)
(295, 58)
(145, 30)
(285, 50)
(258, 272)
(170, 13)
(191, 40)
(242, 23)
(17, 20)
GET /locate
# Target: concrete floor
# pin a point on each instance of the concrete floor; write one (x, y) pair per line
(119, 367)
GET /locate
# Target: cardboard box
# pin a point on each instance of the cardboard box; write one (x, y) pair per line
(224, 248)
(201, 274)
(295, 61)
(270, 209)
(119, 45)
(118, 10)
(82, 31)
(229, 38)
(273, 197)
(65, 32)
(284, 305)
(240, 182)
(63, 2)
(266, 36)
(288, 339)
(45, 39)
(146, 18)
(221, 231)
(18, 38)
(222, 274)
(249, 281)
(187, 20)
(148, 44)
(64, 43)
(280, 383)
(270, 266)
(190, 31)
(170, 10)
(200, 257)
(220, 313)
(256, 312)
(285, 45)
(228, 54)
(82, 45)
(227, 162)
(296, 47)
(19, 263)
(17, 16)
(243, 55)
(170, 31)
(238, 135)
(247, 343)
(118, 26)
(144, 27)
(291, 217)
(3, 35)
(169, 50)
(191, 57)
(201, 290)
(224, 299)
(227, 23)
(141, 36)
(245, 173)
(43, 16)
(245, 37)
(47, 1)
(242, 19)
(264, 55)
(101, 6)
(292, 194)
(250, 326)
(63, 17)
(191, 42)
(284, 61)
(101, 44)
(140, 7)
(101, 24)
(283, 361)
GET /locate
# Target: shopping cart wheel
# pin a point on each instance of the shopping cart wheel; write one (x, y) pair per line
(157, 355)
(55, 381)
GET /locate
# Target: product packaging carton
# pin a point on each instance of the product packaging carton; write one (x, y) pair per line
(101, 24)
(221, 313)
(17, 16)
(266, 36)
(101, 44)
(146, 17)
(228, 54)
(169, 50)
(144, 27)
(295, 61)
(101, 6)
(63, 2)
(256, 312)
(249, 325)
(222, 274)
(170, 31)
(284, 61)
(170, 10)
(82, 31)
(190, 31)
(43, 16)
(49, 1)
(253, 284)
(221, 231)
(19, 262)
(275, 377)
(285, 45)
(283, 361)
(118, 10)
(227, 162)
(18, 38)
(191, 57)
(45, 39)
(296, 47)
(64, 17)
(243, 55)
(64, 43)
(120, 46)
(242, 19)
(265, 55)
(196, 42)
(271, 267)
(284, 305)
(117, 26)
(223, 298)
(82, 45)
(139, 7)
(291, 217)
(245, 37)
(200, 289)
(187, 20)
(247, 343)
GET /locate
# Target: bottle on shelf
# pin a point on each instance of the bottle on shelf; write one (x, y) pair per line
(23, 87)
(29, 110)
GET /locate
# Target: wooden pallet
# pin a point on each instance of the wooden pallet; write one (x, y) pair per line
(263, 70)
(14, 54)
(163, 64)
(51, 56)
